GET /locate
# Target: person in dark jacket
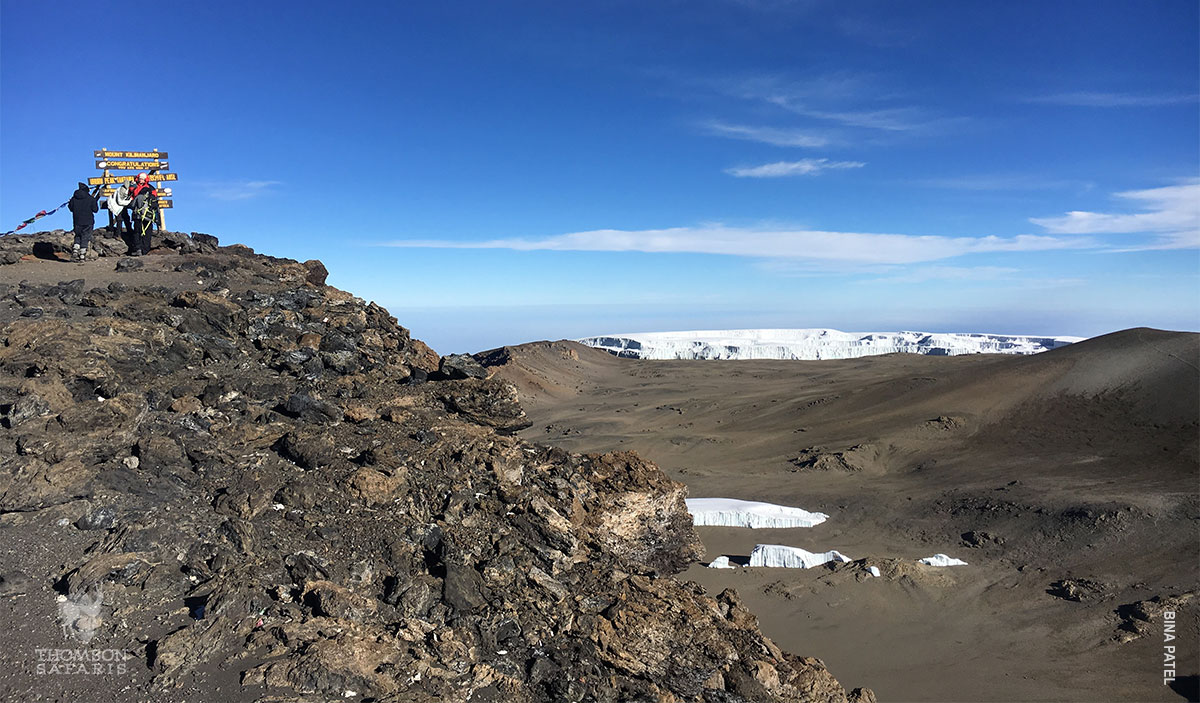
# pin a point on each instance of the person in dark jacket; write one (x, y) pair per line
(145, 211)
(83, 207)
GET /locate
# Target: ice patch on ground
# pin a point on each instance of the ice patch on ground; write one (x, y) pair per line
(720, 563)
(874, 571)
(942, 560)
(777, 555)
(729, 512)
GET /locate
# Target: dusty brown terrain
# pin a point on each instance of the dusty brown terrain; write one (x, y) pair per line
(222, 480)
(1068, 480)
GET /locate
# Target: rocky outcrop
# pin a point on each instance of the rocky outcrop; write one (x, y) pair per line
(56, 245)
(262, 478)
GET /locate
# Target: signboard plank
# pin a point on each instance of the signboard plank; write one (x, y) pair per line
(163, 191)
(118, 180)
(110, 154)
(116, 165)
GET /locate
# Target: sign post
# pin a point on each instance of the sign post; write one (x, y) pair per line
(154, 162)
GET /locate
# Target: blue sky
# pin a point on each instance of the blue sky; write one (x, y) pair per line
(499, 172)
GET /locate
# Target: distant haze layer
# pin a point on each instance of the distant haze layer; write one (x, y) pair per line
(813, 344)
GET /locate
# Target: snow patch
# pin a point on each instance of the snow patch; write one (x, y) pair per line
(730, 512)
(942, 560)
(812, 344)
(720, 563)
(778, 555)
(874, 571)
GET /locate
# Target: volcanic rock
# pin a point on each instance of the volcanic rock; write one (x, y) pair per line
(459, 366)
(306, 512)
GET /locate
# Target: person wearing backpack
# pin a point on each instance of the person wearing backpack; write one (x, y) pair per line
(145, 212)
(83, 207)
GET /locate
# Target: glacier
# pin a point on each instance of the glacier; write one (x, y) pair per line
(942, 560)
(778, 555)
(730, 512)
(721, 562)
(814, 344)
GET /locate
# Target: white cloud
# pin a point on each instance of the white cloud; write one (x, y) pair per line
(776, 136)
(1172, 212)
(813, 245)
(791, 168)
(1100, 99)
(236, 189)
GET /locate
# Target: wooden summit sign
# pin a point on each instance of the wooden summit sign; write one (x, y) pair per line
(106, 154)
(154, 163)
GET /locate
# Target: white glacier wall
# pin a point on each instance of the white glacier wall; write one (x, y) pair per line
(778, 555)
(813, 344)
(942, 560)
(730, 512)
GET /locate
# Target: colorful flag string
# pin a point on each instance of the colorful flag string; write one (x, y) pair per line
(33, 219)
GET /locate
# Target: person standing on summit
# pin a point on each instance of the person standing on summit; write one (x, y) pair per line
(83, 207)
(145, 212)
(118, 205)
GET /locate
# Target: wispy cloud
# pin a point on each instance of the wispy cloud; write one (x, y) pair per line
(1172, 212)
(826, 88)
(983, 275)
(803, 167)
(892, 119)
(1171, 240)
(841, 98)
(878, 33)
(814, 245)
(236, 189)
(776, 136)
(1101, 99)
(923, 274)
(790, 6)
(1007, 182)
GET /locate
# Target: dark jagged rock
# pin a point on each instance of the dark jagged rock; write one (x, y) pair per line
(1076, 589)
(317, 273)
(1135, 619)
(270, 474)
(460, 366)
(205, 242)
(978, 538)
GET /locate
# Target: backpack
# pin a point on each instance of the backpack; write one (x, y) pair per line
(144, 205)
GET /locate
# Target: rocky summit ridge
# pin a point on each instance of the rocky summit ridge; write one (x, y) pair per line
(280, 495)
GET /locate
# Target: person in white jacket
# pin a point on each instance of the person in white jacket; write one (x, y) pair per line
(118, 205)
